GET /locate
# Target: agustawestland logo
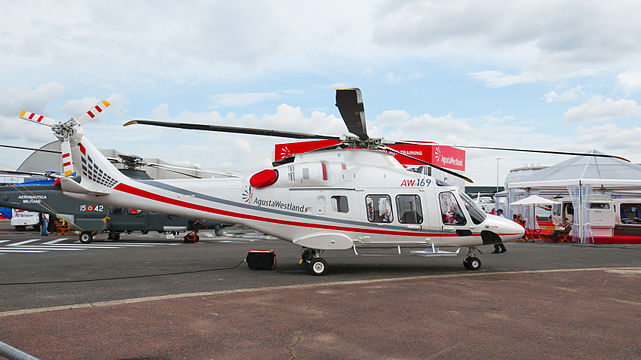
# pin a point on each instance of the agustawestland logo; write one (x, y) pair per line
(446, 160)
(279, 204)
(248, 194)
(284, 152)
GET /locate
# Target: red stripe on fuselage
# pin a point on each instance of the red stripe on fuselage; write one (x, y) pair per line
(149, 195)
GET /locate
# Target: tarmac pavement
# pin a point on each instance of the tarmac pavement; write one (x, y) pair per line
(199, 301)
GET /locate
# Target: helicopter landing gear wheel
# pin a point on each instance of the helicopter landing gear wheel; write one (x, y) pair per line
(472, 263)
(317, 266)
(85, 237)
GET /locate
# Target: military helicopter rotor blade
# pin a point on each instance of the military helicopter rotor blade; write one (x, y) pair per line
(517, 150)
(93, 112)
(233, 129)
(177, 169)
(30, 148)
(387, 148)
(350, 104)
(50, 175)
(37, 118)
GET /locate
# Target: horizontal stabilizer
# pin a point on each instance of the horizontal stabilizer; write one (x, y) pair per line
(71, 186)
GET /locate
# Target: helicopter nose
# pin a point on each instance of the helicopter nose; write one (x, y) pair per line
(509, 230)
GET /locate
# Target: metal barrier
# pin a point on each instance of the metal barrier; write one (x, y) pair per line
(12, 353)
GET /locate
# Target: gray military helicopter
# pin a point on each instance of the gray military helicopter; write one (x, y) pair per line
(89, 218)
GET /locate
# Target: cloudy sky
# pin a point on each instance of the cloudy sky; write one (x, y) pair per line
(562, 75)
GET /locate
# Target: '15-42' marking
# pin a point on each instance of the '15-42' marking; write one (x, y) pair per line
(91, 208)
(416, 182)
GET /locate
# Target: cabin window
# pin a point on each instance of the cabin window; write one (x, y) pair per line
(409, 209)
(379, 208)
(630, 213)
(117, 211)
(599, 206)
(339, 204)
(290, 173)
(451, 212)
(556, 209)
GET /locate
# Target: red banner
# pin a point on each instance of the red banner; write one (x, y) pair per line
(445, 156)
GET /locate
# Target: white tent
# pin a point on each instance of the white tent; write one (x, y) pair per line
(534, 200)
(579, 176)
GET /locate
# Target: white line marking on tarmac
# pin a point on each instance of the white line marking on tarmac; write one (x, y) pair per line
(4, 241)
(55, 241)
(23, 242)
(86, 246)
(285, 287)
(47, 248)
(14, 251)
(125, 244)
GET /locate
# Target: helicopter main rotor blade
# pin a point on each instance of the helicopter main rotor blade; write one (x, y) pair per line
(290, 159)
(518, 150)
(350, 104)
(387, 148)
(30, 148)
(233, 129)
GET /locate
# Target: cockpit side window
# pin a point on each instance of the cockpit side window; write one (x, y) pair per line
(409, 209)
(379, 208)
(476, 213)
(451, 212)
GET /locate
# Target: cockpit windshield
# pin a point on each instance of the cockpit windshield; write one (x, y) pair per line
(476, 213)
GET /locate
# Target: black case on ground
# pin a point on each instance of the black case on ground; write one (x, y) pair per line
(261, 259)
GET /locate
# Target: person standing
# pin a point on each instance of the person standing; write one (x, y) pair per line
(499, 248)
(44, 223)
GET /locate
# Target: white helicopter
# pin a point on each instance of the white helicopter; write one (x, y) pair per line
(350, 196)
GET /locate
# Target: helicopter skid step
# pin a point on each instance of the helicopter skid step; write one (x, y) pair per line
(434, 251)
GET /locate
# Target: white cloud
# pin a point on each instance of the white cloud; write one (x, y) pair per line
(77, 107)
(568, 95)
(35, 100)
(161, 112)
(630, 81)
(243, 99)
(600, 109)
(541, 40)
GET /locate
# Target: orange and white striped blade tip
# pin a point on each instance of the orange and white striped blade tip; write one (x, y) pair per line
(93, 112)
(36, 118)
(67, 166)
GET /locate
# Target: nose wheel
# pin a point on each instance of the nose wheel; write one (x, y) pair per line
(312, 261)
(472, 262)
